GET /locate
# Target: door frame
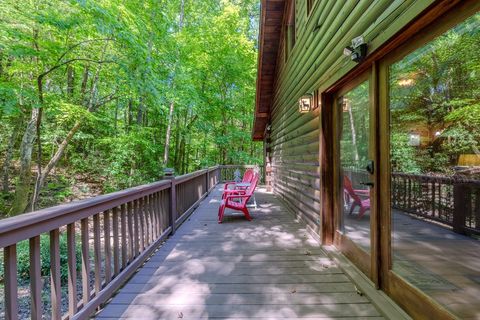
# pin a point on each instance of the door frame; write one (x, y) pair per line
(363, 260)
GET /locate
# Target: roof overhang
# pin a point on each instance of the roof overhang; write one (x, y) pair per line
(271, 20)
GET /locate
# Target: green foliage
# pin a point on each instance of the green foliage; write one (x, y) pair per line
(403, 156)
(435, 92)
(113, 68)
(132, 159)
(23, 258)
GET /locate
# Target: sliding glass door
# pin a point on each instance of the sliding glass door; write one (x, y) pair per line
(353, 112)
(432, 121)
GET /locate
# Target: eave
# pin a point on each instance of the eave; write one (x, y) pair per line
(271, 20)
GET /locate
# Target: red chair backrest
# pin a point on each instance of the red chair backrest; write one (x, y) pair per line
(248, 175)
(251, 189)
(347, 185)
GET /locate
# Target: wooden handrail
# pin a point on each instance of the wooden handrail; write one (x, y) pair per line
(124, 228)
(453, 201)
(25, 226)
(228, 171)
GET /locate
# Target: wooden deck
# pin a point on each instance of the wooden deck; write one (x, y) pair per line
(268, 268)
(443, 264)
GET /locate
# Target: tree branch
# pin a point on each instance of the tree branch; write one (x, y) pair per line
(80, 44)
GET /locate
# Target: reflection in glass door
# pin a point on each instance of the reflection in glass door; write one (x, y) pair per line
(434, 104)
(354, 151)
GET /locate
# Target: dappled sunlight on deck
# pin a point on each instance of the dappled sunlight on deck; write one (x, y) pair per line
(266, 268)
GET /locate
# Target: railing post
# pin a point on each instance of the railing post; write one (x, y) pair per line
(460, 198)
(207, 181)
(170, 174)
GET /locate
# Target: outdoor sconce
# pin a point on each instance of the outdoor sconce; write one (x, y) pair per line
(305, 103)
(358, 50)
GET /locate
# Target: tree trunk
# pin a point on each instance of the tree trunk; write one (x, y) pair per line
(8, 159)
(43, 174)
(54, 160)
(22, 190)
(354, 135)
(140, 112)
(168, 134)
(70, 81)
(83, 89)
(172, 102)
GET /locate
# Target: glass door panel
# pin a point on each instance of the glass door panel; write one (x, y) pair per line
(434, 102)
(354, 154)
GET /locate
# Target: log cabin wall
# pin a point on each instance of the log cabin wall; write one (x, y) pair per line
(314, 64)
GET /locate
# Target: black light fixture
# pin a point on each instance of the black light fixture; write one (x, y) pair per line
(305, 103)
(358, 50)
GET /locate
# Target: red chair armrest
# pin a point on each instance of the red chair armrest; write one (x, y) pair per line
(236, 196)
(228, 184)
(362, 192)
(234, 191)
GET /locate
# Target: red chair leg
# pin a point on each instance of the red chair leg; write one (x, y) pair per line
(221, 212)
(247, 214)
(354, 205)
(362, 212)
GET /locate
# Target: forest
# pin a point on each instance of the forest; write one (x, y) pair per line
(98, 96)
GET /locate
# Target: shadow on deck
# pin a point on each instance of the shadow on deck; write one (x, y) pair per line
(267, 268)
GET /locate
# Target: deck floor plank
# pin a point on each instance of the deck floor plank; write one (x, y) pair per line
(269, 268)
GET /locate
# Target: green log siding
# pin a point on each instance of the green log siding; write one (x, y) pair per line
(317, 62)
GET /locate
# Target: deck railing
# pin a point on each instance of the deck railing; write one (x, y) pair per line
(115, 233)
(228, 171)
(453, 201)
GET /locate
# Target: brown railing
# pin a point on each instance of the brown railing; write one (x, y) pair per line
(228, 171)
(117, 233)
(453, 201)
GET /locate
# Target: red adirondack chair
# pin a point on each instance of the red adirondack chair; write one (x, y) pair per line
(238, 201)
(355, 195)
(247, 178)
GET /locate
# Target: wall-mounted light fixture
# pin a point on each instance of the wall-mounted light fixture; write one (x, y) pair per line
(305, 103)
(358, 50)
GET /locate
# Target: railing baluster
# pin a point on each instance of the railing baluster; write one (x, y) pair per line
(158, 213)
(108, 247)
(153, 205)
(97, 253)
(173, 206)
(72, 269)
(131, 222)
(55, 285)
(141, 232)
(476, 211)
(144, 217)
(151, 217)
(136, 228)
(123, 222)
(11, 288)
(85, 261)
(116, 249)
(152, 224)
(35, 278)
